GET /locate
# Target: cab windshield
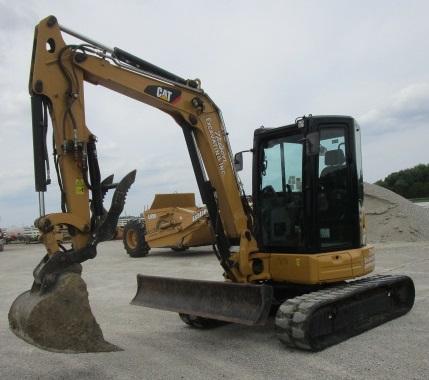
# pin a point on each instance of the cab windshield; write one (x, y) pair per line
(280, 193)
(305, 201)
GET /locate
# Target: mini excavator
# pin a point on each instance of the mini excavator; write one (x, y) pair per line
(294, 253)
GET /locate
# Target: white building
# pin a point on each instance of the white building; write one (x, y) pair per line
(31, 233)
(123, 220)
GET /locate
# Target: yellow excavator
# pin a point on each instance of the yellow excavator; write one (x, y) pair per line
(292, 253)
(172, 221)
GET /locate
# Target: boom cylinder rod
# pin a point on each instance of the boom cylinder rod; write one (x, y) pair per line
(128, 58)
(86, 39)
(41, 203)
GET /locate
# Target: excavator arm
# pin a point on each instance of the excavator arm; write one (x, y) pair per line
(57, 82)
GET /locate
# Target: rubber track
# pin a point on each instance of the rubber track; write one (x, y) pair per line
(292, 318)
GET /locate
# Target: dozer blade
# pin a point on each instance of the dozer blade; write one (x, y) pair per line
(247, 304)
(321, 319)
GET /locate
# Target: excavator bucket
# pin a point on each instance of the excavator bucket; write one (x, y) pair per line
(247, 304)
(60, 319)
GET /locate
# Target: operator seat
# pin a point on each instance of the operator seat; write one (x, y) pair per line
(334, 160)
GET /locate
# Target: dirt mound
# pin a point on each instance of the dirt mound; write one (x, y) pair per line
(390, 217)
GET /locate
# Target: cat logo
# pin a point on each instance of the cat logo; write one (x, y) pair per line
(163, 93)
(170, 95)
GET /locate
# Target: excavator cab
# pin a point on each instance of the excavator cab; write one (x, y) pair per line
(308, 186)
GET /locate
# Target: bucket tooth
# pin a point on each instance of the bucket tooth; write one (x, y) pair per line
(106, 184)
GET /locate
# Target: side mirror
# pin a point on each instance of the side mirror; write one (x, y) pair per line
(238, 161)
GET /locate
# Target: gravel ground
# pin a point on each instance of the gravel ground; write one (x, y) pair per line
(157, 345)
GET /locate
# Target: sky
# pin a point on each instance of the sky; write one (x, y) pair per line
(263, 63)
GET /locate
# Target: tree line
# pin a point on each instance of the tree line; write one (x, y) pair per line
(410, 183)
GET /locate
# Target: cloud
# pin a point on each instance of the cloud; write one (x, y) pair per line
(406, 109)
(395, 134)
(14, 17)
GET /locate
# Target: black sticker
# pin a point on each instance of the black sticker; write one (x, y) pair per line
(168, 94)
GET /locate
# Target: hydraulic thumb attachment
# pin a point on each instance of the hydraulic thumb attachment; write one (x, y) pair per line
(55, 314)
(52, 266)
(248, 304)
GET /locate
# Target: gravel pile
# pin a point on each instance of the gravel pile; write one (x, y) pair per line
(390, 217)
